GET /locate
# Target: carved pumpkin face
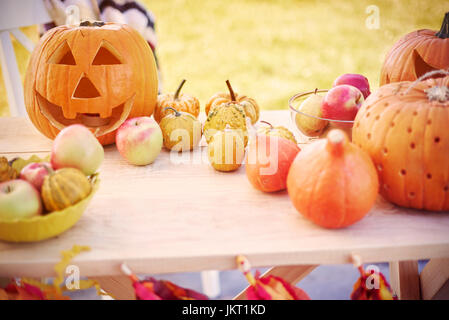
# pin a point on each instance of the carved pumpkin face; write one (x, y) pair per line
(97, 75)
(416, 54)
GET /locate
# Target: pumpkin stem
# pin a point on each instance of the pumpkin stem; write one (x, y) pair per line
(426, 75)
(438, 93)
(87, 23)
(271, 126)
(444, 31)
(231, 91)
(177, 113)
(335, 141)
(178, 91)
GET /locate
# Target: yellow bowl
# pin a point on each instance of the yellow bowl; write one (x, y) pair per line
(46, 226)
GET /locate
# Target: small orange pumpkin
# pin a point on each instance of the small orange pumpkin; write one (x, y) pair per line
(333, 182)
(416, 54)
(180, 101)
(403, 127)
(249, 105)
(96, 74)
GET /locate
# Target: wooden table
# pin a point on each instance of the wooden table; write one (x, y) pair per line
(179, 215)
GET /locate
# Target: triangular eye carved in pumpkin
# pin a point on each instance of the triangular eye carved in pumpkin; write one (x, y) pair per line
(62, 55)
(106, 55)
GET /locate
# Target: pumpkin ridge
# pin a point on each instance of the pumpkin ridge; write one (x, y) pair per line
(59, 194)
(318, 182)
(34, 107)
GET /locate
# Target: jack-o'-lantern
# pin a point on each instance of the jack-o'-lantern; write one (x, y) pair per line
(416, 54)
(96, 74)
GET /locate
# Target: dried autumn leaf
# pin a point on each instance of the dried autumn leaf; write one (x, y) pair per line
(152, 289)
(371, 285)
(30, 289)
(269, 287)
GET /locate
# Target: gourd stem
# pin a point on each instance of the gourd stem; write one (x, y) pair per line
(231, 91)
(271, 126)
(177, 113)
(178, 91)
(444, 31)
(335, 141)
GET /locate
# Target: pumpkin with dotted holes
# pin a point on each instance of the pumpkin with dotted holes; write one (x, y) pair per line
(403, 127)
(96, 74)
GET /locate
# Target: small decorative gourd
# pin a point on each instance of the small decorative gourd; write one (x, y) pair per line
(333, 182)
(6, 171)
(404, 128)
(279, 131)
(249, 105)
(63, 188)
(229, 115)
(181, 130)
(178, 101)
(226, 150)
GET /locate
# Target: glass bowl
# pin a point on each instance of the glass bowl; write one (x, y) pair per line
(318, 126)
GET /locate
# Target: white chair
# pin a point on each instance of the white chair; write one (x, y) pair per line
(13, 15)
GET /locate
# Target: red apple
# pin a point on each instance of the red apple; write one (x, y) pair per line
(268, 161)
(19, 200)
(76, 147)
(139, 140)
(356, 80)
(35, 173)
(342, 102)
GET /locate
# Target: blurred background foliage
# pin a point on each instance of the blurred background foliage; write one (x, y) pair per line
(272, 49)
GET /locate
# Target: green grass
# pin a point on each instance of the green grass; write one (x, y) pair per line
(271, 50)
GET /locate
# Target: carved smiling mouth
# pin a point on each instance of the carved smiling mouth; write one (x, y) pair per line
(99, 125)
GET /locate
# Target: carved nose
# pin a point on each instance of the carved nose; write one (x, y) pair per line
(85, 89)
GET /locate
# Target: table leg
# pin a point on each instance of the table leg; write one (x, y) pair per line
(404, 279)
(435, 280)
(119, 287)
(291, 274)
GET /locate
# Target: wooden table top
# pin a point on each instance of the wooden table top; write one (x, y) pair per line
(180, 216)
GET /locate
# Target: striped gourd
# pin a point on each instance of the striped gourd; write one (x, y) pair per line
(64, 188)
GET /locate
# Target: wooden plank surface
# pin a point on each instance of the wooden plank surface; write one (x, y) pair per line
(435, 279)
(404, 279)
(180, 215)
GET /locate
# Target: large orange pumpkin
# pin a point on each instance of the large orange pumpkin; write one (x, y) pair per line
(332, 182)
(96, 74)
(404, 128)
(416, 54)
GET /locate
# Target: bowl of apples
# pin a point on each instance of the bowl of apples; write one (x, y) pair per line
(41, 198)
(316, 112)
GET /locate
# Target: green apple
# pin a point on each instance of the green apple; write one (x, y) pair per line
(139, 140)
(307, 123)
(19, 200)
(76, 147)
